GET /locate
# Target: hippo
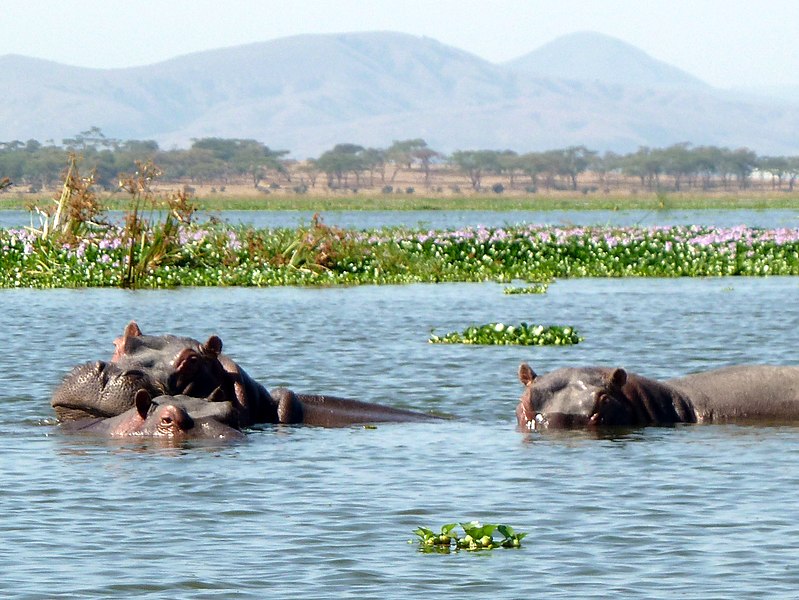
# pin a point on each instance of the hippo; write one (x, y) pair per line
(592, 397)
(170, 417)
(173, 365)
(332, 411)
(99, 389)
(176, 365)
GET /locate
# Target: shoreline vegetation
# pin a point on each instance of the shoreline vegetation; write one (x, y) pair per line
(160, 244)
(363, 201)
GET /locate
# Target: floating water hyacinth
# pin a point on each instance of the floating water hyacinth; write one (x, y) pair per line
(213, 254)
(536, 288)
(507, 335)
(476, 537)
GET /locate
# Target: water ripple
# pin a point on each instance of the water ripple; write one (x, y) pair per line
(695, 511)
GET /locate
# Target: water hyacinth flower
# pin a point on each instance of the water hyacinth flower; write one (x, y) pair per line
(246, 256)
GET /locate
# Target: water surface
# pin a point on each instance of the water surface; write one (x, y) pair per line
(455, 219)
(696, 511)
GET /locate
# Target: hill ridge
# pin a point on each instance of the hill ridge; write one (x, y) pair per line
(307, 92)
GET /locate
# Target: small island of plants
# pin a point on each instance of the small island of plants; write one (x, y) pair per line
(476, 537)
(505, 335)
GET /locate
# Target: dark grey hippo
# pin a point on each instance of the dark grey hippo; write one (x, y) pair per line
(169, 417)
(589, 397)
(173, 365)
(99, 389)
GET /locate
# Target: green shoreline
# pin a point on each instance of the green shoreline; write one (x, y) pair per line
(663, 201)
(167, 255)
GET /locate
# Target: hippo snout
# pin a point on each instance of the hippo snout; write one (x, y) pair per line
(558, 421)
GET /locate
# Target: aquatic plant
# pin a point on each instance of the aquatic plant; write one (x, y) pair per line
(501, 334)
(74, 209)
(476, 537)
(535, 288)
(180, 253)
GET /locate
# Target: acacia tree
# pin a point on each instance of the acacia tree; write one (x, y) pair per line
(401, 154)
(510, 164)
(374, 159)
(244, 157)
(792, 171)
(741, 163)
(573, 161)
(776, 166)
(340, 161)
(475, 163)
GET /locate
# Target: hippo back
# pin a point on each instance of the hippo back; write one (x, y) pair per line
(743, 393)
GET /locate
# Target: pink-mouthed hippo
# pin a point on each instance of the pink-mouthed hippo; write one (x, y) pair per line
(169, 417)
(591, 397)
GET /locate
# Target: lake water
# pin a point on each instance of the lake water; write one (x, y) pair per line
(454, 219)
(690, 511)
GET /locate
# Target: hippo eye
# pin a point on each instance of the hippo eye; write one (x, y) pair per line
(166, 420)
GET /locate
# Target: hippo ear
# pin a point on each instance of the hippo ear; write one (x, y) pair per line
(213, 345)
(217, 395)
(618, 378)
(526, 374)
(187, 362)
(123, 345)
(132, 330)
(143, 403)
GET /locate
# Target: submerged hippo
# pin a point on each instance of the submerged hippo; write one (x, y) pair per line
(587, 397)
(172, 365)
(172, 417)
(99, 389)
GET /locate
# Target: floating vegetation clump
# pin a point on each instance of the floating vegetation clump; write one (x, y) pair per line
(476, 537)
(535, 288)
(507, 335)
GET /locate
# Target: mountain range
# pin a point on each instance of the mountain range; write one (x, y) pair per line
(307, 93)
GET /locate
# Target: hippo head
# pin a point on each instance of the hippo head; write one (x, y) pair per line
(99, 389)
(175, 365)
(176, 417)
(584, 397)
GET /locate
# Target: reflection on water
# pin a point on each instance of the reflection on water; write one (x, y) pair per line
(702, 511)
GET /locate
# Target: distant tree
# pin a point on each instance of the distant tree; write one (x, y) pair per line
(510, 164)
(602, 166)
(425, 156)
(776, 166)
(374, 160)
(678, 162)
(93, 138)
(792, 171)
(646, 165)
(741, 163)
(339, 162)
(532, 164)
(310, 168)
(401, 154)
(573, 161)
(244, 157)
(476, 163)
(707, 162)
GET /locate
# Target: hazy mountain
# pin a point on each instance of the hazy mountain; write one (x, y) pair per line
(307, 93)
(589, 56)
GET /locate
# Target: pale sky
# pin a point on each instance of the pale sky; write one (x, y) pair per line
(727, 43)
